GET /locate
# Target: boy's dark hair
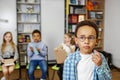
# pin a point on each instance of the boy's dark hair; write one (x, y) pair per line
(36, 31)
(88, 23)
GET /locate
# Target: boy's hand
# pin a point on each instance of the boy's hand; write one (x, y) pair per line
(38, 49)
(97, 58)
(31, 48)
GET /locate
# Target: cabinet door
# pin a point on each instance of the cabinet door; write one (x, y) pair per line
(8, 18)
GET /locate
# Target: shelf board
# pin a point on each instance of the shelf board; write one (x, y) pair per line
(24, 32)
(101, 10)
(23, 53)
(28, 13)
(23, 43)
(72, 23)
(35, 3)
(77, 14)
(95, 19)
(77, 5)
(28, 22)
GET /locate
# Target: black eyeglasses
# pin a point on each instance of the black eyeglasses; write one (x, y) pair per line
(83, 38)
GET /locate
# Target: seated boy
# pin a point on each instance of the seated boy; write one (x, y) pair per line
(37, 51)
(86, 63)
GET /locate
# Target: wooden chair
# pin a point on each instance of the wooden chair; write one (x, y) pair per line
(38, 67)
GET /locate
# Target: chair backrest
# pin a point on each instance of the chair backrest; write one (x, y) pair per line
(60, 55)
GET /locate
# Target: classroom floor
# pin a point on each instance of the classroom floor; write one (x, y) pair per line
(15, 74)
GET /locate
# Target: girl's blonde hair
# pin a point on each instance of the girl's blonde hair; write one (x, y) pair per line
(72, 38)
(4, 42)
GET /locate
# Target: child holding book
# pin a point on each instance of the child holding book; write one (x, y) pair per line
(86, 63)
(37, 51)
(69, 46)
(8, 52)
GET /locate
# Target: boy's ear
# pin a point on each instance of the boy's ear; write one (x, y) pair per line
(97, 40)
(76, 40)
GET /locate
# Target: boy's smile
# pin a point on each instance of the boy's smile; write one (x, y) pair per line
(86, 39)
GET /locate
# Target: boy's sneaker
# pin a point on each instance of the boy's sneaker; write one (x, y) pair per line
(3, 78)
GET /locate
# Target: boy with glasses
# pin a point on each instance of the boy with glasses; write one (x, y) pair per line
(86, 63)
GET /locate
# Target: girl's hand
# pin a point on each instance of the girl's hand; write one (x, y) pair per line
(3, 61)
(14, 60)
(96, 58)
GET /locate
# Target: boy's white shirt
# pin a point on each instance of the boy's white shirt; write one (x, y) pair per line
(85, 67)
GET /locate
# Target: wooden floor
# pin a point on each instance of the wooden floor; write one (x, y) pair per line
(15, 74)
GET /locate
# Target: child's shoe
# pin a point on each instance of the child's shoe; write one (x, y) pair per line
(3, 78)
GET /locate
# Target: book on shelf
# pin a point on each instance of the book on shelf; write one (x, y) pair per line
(29, 18)
(81, 2)
(99, 23)
(79, 10)
(24, 38)
(22, 48)
(73, 28)
(23, 58)
(37, 8)
(27, 38)
(69, 19)
(92, 15)
(73, 1)
(81, 18)
(27, 28)
(74, 19)
(77, 2)
(31, 1)
(99, 15)
(69, 28)
(20, 27)
(71, 10)
(21, 0)
(23, 8)
(33, 18)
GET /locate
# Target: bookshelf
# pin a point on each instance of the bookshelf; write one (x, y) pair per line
(77, 12)
(28, 19)
(93, 10)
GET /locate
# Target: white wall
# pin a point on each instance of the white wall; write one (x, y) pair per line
(8, 18)
(52, 16)
(112, 30)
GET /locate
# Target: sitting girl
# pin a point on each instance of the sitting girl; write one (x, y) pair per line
(69, 46)
(8, 50)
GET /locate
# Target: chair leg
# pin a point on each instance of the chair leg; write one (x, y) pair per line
(48, 75)
(53, 74)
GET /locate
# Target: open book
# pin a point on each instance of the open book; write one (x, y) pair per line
(60, 55)
(9, 62)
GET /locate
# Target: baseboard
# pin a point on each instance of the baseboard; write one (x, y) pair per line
(116, 67)
(51, 61)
